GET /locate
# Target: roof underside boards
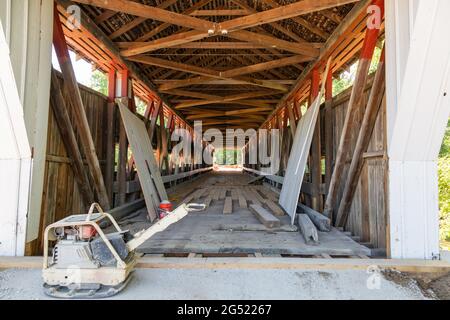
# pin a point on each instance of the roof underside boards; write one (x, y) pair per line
(226, 62)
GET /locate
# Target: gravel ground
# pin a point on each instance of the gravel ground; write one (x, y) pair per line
(234, 284)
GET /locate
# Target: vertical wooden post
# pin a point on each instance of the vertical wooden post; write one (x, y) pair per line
(329, 128)
(164, 143)
(154, 118)
(82, 124)
(292, 122)
(110, 134)
(123, 146)
(365, 133)
(316, 158)
(365, 60)
(148, 112)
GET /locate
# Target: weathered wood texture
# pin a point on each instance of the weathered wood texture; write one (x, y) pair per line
(61, 196)
(367, 216)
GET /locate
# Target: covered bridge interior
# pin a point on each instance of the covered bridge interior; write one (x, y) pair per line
(232, 64)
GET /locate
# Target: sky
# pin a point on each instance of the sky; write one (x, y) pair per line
(83, 69)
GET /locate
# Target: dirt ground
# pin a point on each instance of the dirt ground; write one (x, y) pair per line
(437, 287)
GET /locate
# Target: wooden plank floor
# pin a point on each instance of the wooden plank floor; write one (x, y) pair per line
(212, 231)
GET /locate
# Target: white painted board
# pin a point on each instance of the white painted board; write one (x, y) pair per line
(15, 160)
(299, 155)
(146, 165)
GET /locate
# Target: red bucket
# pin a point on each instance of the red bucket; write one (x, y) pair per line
(165, 208)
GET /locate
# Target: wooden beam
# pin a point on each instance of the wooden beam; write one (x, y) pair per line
(222, 82)
(281, 13)
(155, 115)
(106, 44)
(316, 150)
(149, 12)
(370, 41)
(216, 74)
(107, 14)
(220, 12)
(82, 124)
(175, 66)
(110, 137)
(137, 21)
(365, 134)
(166, 42)
(202, 80)
(306, 49)
(265, 66)
(331, 44)
(228, 28)
(329, 132)
(224, 99)
(68, 137)
(208, 45)
(164, 26)
(292, 122)
(274, 25)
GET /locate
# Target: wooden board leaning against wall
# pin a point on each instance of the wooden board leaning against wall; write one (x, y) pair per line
(368, 213)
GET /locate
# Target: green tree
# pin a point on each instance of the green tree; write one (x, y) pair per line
(444, 189)
(99, 82)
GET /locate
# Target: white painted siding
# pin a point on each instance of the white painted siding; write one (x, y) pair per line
(418, 96)
(28, 29)
(15, 160)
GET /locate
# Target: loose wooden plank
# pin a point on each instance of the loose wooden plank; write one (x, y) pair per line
(207, 201)
(255, 227)
(308, 229)
(234, 194)
(228, 206)
(222, 193)
(215, 194)
(147, 168)
(200, 193)
(242, 202)
(251, 197)
(256, 194)
(277, 210)
(266, 218)
(320, 221)
(267, 262)
(299, 155)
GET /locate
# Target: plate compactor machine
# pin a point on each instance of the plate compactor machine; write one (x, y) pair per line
(86, 262)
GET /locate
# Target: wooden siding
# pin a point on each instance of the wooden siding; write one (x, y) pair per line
(367, 218)
(61, 196)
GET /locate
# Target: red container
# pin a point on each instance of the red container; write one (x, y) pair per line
(165, 208)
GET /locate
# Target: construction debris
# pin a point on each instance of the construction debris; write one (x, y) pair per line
(320, 221)
(307, 229)
(266, 218)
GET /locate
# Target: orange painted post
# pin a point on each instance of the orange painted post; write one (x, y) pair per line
(110, 141)
(329, 128)
(123, 144)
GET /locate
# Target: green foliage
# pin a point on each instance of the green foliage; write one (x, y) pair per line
(347, 78)
(444, 189)
(227, 156)
(99, 82)
(140, 106)
(445, 149)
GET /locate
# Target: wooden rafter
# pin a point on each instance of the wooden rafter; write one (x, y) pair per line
(208, 28)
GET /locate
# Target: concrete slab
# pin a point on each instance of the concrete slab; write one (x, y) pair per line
(174, 284)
